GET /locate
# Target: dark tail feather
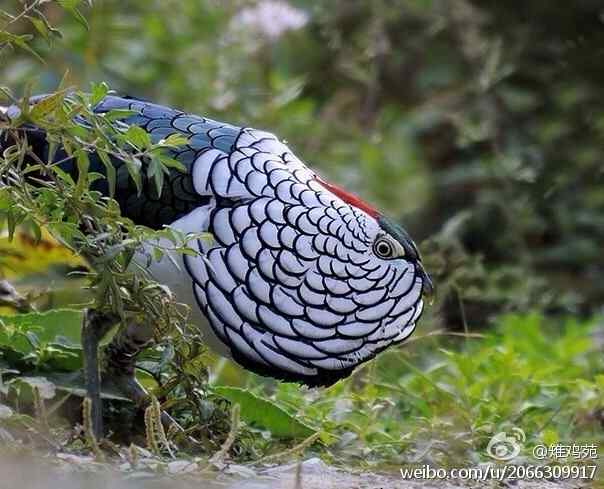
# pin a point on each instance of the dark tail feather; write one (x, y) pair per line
(145, 207)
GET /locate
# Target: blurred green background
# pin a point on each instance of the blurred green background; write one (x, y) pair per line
(478, 124)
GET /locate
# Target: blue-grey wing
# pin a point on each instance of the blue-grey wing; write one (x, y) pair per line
(178, 196)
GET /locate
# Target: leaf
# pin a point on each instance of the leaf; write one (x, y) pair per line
(98, 92)
(58, 326)
(68, 233)
(46, 106)
(21, 41)
(83, 164)
(172, 163)
(71, 7)
(69, 4)
(265, 413)
(174, 140)
(155, 172)
(134, 166)
(118, 114)
(75, 384)
(138, 137)
(42, 25)
(110, 172)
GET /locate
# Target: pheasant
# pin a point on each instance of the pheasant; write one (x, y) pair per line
(301, 280)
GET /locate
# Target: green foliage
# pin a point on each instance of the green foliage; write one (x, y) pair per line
(46, 341)
(264, 413)
(90, 226)
(441, 402)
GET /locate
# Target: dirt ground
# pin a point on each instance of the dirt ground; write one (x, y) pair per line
(70, 472)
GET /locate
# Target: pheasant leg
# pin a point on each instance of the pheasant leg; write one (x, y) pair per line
(95, 326)
(120, 366)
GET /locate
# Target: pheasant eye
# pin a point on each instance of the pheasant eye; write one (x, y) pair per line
(383, 248)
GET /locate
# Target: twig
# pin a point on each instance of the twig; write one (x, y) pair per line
(463, 311)
(52, 409)
(159, 426)
(220, 455)
(89, 431)
(298, 480)
(23, 13)
(40, 410)
(132, 456)
(288, 453)
(150, 432)
(442, 332)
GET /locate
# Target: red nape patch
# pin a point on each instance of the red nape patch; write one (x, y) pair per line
(349, 198)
